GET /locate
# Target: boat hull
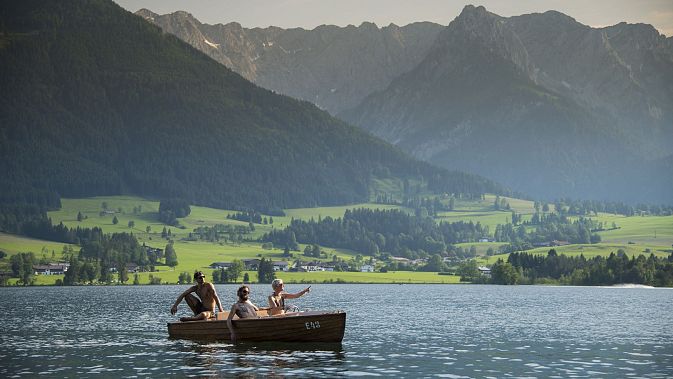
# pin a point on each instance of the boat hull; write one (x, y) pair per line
(300, 327)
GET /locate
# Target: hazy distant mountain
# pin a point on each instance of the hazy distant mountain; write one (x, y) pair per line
(98, 101)
(333, 67)
(539, 102)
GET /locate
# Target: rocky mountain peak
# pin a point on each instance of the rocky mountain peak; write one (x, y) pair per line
(640, 35)
(146, 14)
(474, 18)
(325, 65)
(477, 27)
(558, 17)
(368, 26)
(183, 14)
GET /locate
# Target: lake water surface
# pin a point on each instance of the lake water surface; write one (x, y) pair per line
(451, 331)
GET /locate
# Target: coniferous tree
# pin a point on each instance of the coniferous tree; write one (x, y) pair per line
(22, 267)
(171, 256)
(265, 273)
(122, 271)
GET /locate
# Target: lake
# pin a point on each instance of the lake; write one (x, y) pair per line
(451, 331)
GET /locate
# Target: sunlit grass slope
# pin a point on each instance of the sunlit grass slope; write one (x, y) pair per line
(635, 235)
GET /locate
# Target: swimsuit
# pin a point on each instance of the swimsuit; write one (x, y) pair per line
(280, 303)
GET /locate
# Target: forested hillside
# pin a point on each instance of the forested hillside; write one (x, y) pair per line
(98, 101)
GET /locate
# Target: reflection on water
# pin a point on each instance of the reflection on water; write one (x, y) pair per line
(406, 331)
(269, 359)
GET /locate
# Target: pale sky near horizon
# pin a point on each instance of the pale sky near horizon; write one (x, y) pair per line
(311, 13)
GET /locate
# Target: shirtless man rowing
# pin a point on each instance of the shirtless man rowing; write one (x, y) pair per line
(204, 308)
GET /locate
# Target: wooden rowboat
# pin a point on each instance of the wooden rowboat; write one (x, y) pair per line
(313, 326)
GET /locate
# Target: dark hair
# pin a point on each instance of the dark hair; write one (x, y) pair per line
(240, 289)
(198, 274)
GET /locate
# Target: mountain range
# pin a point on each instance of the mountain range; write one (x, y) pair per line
(332, 67)
(98, 101)
(539, 102)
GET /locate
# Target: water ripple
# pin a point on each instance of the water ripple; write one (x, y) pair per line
(483, 331)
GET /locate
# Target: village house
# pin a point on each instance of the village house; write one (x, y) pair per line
(220, 265)
(281, 266)
(51, 269)
(154, 250)
(367, 268)
(251, 264)
(484, 270)
(329, 267)
(417, 262)
(132, 267)
(311, 266)
(400, 260)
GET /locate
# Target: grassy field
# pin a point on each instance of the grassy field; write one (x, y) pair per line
(589, 251)
(409, 277)
(482, 211)
(636, 235)
(641, 230)
(12, 244)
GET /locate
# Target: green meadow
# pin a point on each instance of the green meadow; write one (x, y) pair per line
(327, 277)
(635, 235)
(12, 244)
(589, 251)
(481, 211)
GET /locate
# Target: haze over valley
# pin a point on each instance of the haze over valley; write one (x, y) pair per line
(539, 102)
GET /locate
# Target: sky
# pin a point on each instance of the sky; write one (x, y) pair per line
(311, 13)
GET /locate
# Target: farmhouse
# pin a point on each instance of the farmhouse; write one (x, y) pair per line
(281, 266)
(220, 265)
(367, 268)
(484, 270)
(251, 264)
(154, 250)
(310, 266)
(400, 259)
(51, 269)
(329, 266)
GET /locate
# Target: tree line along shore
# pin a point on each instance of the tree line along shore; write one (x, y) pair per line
(403, 244)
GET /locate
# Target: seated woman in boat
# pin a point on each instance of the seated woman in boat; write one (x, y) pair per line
(277, 298)
(243, 308)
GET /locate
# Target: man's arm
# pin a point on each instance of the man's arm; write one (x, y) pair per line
(189, 290)
(260, 308)
(217, 298)
(298, 294)
(230, 324)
